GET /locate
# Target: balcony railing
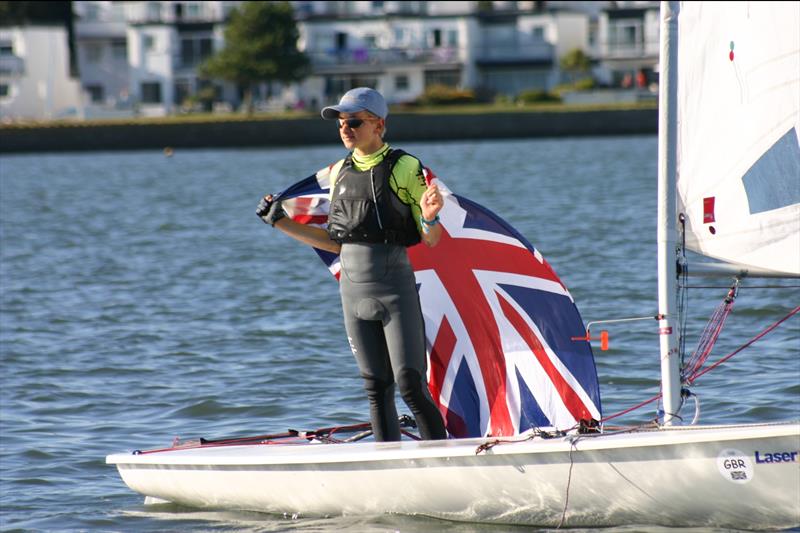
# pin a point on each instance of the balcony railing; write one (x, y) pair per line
(146, 13)
(506, 52)
(382, 56)
(630, 49)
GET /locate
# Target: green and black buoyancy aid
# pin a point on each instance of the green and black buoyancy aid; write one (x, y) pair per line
(364, 208)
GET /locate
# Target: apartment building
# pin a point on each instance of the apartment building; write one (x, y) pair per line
(141, 58)
(401, 48)
(628, 44)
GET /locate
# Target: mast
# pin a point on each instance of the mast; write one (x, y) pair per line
(666, 237)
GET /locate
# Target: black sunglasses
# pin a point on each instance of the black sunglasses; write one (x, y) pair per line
(352, 123)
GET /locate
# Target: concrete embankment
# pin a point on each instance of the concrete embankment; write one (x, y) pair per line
(268, 132)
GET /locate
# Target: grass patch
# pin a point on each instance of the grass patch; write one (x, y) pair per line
(450, 109)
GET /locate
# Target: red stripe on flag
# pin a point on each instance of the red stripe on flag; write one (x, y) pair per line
(568, 395)
(310, 219)
(441, 353)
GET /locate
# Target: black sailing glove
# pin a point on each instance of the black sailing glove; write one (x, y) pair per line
(269, 210)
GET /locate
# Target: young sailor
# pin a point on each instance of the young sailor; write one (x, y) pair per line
(380, 204)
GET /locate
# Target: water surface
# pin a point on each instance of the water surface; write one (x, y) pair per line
(143, 300)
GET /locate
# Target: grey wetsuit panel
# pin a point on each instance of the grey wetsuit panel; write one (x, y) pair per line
(385, 328)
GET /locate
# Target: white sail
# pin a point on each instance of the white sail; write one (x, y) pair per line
(739, 132)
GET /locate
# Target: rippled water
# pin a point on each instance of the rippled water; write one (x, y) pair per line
(142, 300)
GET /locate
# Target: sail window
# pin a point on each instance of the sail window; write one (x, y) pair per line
(772, 182)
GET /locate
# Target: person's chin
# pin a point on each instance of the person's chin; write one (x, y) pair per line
(349, 143)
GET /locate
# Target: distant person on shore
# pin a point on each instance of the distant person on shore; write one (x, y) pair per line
(641, 79)
(380, 204)
(627, 81)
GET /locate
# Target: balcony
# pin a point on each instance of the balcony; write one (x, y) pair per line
(94, 29)
(370, 59)
(630, 49)
(158, 13)
(498, 54)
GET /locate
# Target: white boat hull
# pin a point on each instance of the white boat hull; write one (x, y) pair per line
(670, 477)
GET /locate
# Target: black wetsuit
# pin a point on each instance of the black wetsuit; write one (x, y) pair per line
(381, 306)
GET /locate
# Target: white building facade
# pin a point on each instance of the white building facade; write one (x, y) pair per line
(142, 57)
(35, 78)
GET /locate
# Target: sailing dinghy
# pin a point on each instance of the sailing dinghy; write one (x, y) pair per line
(526, 447)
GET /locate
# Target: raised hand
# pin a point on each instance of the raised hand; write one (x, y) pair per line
(431, 202)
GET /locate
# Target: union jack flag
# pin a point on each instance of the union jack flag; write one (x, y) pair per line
(499, 323)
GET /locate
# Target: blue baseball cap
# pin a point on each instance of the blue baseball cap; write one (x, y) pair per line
(358, 99)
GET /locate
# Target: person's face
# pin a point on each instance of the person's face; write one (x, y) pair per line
(365, 136)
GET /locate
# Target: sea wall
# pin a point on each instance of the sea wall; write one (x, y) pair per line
(261, 132)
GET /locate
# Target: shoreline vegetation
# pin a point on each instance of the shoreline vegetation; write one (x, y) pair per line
(293, 128)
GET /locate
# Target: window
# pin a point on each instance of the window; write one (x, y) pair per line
(5, 90)
(452, 38)
(194, 51)
(593, 30)
(538, 33)
(154, 11)
(341, 41)
(94, 52)
(206, 48)
(149, 43)
(436, 38)
(187, 52)
(151, 92)
(193, 11)
(401, 82)
(336, 86)
(401, 36)
(451, 78)
(625, 35)
(370, 41)
(6, 48)
(95, 93)
(92, 11)
(119, 50)
(183, 89)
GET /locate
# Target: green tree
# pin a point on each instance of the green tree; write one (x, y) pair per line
(575, 63)
(22, 13)
(260, 46)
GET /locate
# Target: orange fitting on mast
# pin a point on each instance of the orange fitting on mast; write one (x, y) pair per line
(588, 338)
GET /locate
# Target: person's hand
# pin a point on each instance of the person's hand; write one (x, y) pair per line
(431, 202)
(270, 210)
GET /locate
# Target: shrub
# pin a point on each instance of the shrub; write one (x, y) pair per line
(444, 95)
(583, 84)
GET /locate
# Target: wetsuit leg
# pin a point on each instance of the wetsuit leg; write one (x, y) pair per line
(369, 348)
(405, 339)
